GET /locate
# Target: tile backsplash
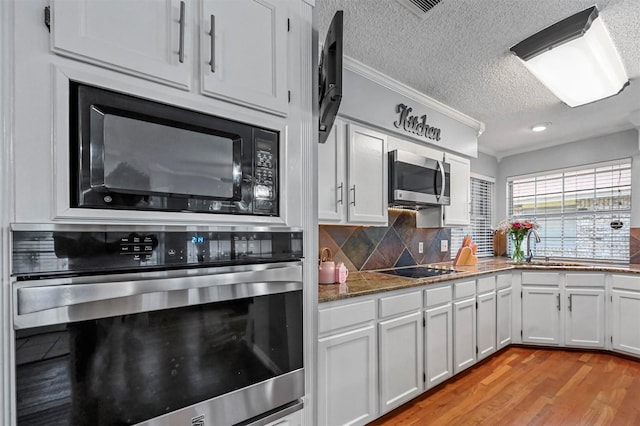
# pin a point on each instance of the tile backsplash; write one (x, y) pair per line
(634, 245)
(364, 248)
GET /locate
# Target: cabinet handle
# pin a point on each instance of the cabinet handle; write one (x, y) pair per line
(341, 196)
(213, 43)
(181, 47)
(570, 302)
(558, 299)
(354, 195)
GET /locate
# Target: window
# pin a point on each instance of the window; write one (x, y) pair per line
(578, 210)
(481, 211)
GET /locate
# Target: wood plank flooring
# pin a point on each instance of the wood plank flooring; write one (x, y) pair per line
(524, 386)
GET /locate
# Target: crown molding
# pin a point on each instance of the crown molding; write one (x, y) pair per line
(411, 93)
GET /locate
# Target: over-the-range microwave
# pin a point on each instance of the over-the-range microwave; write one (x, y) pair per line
(416, 181)
(136, 154)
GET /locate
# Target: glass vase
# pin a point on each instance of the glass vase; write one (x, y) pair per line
(517, 254)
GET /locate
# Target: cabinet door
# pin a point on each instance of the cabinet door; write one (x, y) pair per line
(438, 344)
(401, 360)
(464, 334)
(457, 213)
(249, 51)
(145, 38)
(332, 188)
(541, 315)
(367, 176)
(584, 318)
(625, 309)
(486, 323)
(504, 313)
(347, 378)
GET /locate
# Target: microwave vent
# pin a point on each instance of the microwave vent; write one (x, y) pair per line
(419, 7)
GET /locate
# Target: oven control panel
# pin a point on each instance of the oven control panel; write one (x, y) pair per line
(39, 253)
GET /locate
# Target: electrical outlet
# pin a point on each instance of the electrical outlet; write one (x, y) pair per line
(420, 247)
(444, 245)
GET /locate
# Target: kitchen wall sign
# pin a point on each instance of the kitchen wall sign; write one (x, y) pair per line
(414, 124)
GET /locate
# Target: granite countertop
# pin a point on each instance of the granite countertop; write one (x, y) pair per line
(371, 282)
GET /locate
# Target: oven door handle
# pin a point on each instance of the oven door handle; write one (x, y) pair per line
(226, 285)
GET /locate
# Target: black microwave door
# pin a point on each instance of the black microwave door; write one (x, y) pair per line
(417, 179)
(133, 153)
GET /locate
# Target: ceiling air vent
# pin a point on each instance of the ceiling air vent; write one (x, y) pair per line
(419, 7)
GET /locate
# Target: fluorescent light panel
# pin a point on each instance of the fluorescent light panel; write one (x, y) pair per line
(575, 59)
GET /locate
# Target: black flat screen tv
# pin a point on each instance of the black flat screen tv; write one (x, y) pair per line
(330, 76)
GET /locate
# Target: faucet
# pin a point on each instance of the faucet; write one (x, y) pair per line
(529, 255)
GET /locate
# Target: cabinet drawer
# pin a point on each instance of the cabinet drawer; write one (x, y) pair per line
(464, 289)
(626, 282)
(584, 280)
(541, 278)
(438, 296)
(344, 316)
(402, 303)
(503, 281)
(486, 284)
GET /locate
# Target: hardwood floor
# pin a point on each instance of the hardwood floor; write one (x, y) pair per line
(523, 386)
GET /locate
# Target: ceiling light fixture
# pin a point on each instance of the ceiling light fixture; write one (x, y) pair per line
(575, 58)
(540, 127)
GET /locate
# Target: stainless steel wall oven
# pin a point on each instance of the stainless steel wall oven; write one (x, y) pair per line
(156, 326)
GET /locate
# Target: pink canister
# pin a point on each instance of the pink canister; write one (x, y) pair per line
(327, 268)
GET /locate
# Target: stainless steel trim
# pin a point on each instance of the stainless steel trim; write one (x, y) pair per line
(54, 301)
(213, 43)
(416, 197)
(277, 415)
(239, 405)
(181, 47)
(411, 158)
(91, 227)
(443, 187)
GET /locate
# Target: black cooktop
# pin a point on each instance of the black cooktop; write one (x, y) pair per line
(418, 271)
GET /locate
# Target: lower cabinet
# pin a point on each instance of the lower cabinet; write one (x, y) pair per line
(464, 334)
(347, 372)
(438, 344)
(486, 324)
(504, 309)
(625, 310)
(401, 360)
(584, 318)
(541, 315)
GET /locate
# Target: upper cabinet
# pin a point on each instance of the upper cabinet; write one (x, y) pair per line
(243, 44)
(352, 176)
(457, 213)
(244, 52)
(146, 38)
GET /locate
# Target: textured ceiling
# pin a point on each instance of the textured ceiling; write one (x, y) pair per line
(458, 54)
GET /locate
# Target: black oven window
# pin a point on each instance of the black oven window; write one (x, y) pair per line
(127, 369)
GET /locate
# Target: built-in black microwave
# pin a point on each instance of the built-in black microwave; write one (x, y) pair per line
(416, 181)
(133, 153)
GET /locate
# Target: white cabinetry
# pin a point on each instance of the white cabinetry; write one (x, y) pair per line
(541, 307)
(357, 195)
(625, 314)
(464, 325)
(486, 316)
(438, 335)
(585, 310)
(347, 365)
(151, 39)
(458, 212)
(154, 39)
(245, 59)
(401, 350)
(504, 310)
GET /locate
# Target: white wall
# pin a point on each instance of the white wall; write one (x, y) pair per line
(594, 150)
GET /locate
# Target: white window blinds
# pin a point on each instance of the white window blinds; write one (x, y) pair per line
(577, 210)
(480, 226)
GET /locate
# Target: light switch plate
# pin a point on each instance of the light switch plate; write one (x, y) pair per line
(420, 247)
(444, 245)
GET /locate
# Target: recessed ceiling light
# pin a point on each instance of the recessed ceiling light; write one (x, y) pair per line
(540, 127)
